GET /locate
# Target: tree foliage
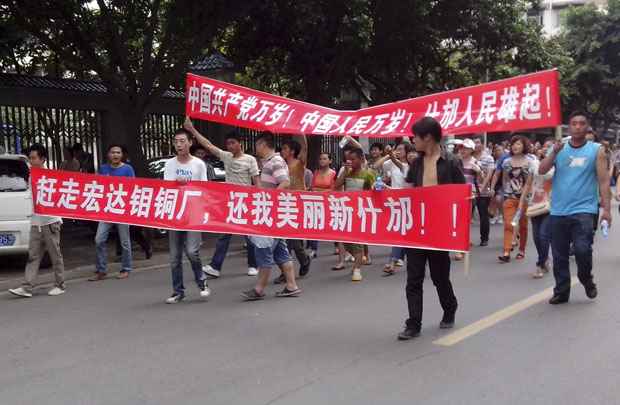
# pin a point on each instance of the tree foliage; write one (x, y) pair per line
(139, 49)
(592, 79)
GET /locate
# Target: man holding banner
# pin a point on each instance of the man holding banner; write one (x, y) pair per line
(269, 251)
(185, 168)
(433, 167)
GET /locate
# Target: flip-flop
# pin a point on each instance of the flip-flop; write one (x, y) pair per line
(388, 273)
(338, 268)
(520, 256)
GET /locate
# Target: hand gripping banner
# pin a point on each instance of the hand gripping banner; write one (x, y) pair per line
(430, 217)
(518, 103)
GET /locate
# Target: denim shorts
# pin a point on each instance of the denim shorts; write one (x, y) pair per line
(268, 256)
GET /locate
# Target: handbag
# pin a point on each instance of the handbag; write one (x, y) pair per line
(538, 209)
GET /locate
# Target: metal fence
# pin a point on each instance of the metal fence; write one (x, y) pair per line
(56, 128)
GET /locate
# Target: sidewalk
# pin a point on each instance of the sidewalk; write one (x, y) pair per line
(78, 248)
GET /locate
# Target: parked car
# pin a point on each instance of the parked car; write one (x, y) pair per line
(16, 203)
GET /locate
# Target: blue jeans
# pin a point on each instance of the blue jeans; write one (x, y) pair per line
(221, 248)
(101, 239)
(541, 227)
(398, 253)
(578, 229)
(188, 242)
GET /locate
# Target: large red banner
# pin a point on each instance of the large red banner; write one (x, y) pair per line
(522, 102)
(430, 217)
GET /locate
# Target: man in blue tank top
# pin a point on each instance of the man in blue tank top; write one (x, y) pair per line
(580, 178)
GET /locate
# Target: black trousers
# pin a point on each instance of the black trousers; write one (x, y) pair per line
(482, 204)
(439, 265)
(297, 246)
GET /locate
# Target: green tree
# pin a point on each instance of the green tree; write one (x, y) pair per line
(592, 82)
(139, 49)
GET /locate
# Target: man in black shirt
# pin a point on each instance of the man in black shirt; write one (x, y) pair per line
(434, 166)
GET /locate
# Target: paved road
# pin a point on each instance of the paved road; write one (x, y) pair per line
(116, 342)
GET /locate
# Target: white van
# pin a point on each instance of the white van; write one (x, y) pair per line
(15, 204)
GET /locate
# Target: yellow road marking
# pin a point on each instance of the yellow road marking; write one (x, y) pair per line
(496, 317)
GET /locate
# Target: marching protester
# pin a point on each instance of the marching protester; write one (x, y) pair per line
(323, 179)
(395, 167)
(486, 163)
(580, 179)
(44, 237)
(295, 153)
(185, 168)
(269, 251)
(241, 169)
(539, 205)
(114, 167)
(517, 175)
(433, 166)
(355, 178)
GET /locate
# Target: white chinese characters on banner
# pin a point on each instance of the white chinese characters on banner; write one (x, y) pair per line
(115, 199)
(314, 211)
(401, 217)
(140, 201)
(237, 208)
(45, 191)
(93, 192)
(341, 214)
(366, 208)
(287, 211)
(69, 193)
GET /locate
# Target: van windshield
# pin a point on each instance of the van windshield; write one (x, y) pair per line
(13, 175)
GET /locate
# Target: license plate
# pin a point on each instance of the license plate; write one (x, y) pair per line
(7, 239)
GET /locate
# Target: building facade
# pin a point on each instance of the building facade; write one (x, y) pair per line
(552, 13)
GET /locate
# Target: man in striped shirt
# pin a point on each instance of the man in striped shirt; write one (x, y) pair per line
(269, 251)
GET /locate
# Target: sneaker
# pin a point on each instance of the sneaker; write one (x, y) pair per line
(210, 271)
(558, 299)
(591, 291)
(349, 258)
(399, 263)
(175, 298)
(500, 221)
(252, 295)
(408, 334)
(205, 292)
(357, 275)
(493, 221)
(56, 291)
(447, 321)
(312, 254)
(21, 292)
(288, 293)
(280, 280)
(538, 273)
(252, 271)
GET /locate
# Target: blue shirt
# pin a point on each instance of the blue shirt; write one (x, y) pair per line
(125, 170)
(575, 182)
(500, 161)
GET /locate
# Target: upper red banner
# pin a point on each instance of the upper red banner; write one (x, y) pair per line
(430, 217)
(518, 103)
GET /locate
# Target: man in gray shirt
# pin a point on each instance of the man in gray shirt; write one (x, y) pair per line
(240, 169)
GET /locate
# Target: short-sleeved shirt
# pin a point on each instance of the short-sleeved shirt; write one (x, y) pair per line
(396, 175)
(515, 176)
(239, 170)
(194, 169)
(123, 171)
(274, 171)
(362, 180)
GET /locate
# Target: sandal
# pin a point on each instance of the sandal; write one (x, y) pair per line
(338, 268)
(504, 259)
(520, 256)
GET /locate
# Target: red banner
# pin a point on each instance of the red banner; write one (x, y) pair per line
(522, 102)
(431, 217)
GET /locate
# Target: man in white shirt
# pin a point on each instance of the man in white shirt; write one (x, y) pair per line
(240, 169)
(44, 236)
(185, 168)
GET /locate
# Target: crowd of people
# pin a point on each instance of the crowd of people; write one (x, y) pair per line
(560, 186)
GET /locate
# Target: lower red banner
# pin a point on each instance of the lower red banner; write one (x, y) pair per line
(429, 218)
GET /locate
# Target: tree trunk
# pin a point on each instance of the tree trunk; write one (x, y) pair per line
(122, 127)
